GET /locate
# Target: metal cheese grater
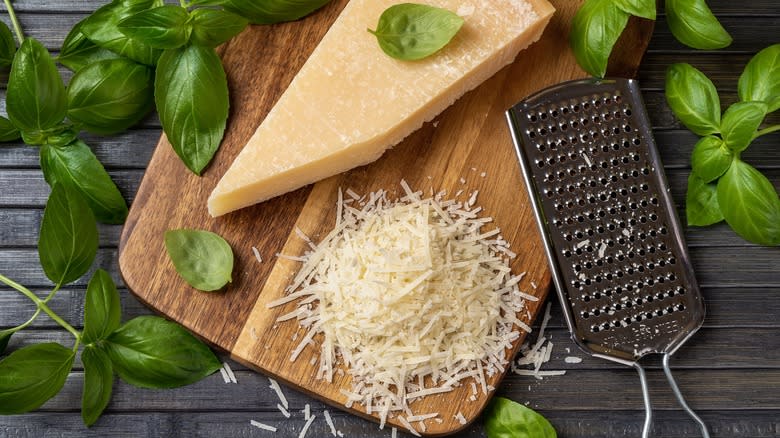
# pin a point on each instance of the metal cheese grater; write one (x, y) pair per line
(612, 238)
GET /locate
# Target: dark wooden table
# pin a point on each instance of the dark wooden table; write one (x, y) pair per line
(730, 370)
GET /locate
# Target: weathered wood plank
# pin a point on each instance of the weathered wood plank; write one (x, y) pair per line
(27, 187)
(722, 68)
(20, 228)
(661, 117)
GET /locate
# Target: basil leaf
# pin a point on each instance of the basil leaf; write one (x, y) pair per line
(701, 202)
(202, 258)
(102, 29)
(5, 337)
(507, 419)
(595, 29)
(151, 352)
(102, 311)
(59, 135)
(271, 11)
(740, 123)
(32, 375)
(761, 78)
(68, 240)
(638, 8)
(98, 384)
(8, 131)
(693, 99)
(164, 27)
(7, 46)
(711, 158)
(409, 31)
(36, 94)
(693, 24)
(750, 204)
(77, 166)
(109, 96)
(77, 51)
(190, 90)
(212, 27)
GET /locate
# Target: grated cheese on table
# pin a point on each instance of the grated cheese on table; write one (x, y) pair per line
(329, 420)
(278, 390)
(262, 426)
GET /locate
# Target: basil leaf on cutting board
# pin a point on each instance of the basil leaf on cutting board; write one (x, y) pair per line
(32, 375)
(151, 352)
(102, 311)
(7, 46)
(270, 11)
(701, 202)
(78, 51)
(8, 131)
(98, 384)
(595, 29)
(638, 8)
(68, 239)
(760, 80)
(202, 258)
(164, 27)
(109, 96)
(102, 29)
(191, 93)
(750, 204)
(693, 24)
(740, 123)
(710, 158)
(507, 419)
(410, 32)
(693, 98)
(212, 27)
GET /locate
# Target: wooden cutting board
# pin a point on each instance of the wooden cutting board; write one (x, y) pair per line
(466, 140)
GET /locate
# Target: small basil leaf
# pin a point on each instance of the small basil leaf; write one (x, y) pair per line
(270, 11)
(740, 122)
(212, 27)
(750, 204)
(191, 94)
(109, 96)
(77, 166)
(701, 202)
(77, 51)
(409, 31)
(36, 94)
(102, 311)
(5, 337)
(8, 131)
(164, 27)
(761, 79)
(151, 352)
(693, 98)
(596, 27)
(711, 158)
(98, 384)
(507, 419)
(69, 239)
(693, 24)
(102, 29)
(32, 375)
(59, 135)
(638, 8)
(7, 46)
(202, 258)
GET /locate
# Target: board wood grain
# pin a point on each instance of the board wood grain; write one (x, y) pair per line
(466, 140)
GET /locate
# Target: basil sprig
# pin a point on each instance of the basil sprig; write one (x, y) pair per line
(505, 418)
(410, 32)
(721, 185)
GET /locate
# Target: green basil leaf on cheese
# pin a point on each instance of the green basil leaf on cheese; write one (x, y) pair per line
(595, 29)
(164, 27)
(102, 29)
(711, 158)
(740, 123)
(109, 96)
(693, 99)
(750, 204)
(760, 81)
(270, 11)
(507, 419)
(191, 94)
(78, 51)
(693, 24)
(102, 311)
(212, 27)
(7, 46)
(32, 375)
(701, 202)
(8, 132)
(202, 258)
(98, 384)
(410, 31)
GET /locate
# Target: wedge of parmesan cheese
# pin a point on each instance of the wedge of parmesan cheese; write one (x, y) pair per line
(350, 101)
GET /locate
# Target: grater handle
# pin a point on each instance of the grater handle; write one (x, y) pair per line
(705, 433)
(646, 399)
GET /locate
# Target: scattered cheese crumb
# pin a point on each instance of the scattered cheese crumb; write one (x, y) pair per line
(394, 433)
(483, 174)
(602, 249)
(229, 372)
(306, 426)
(463, 180)
(262, 426)
(306, 412)
(461, 419)
(330, 423)
(275, 386)
(572, 359)
(284, 411)
(406, 424)
(585, 242)
(257, 254)
(225, 376)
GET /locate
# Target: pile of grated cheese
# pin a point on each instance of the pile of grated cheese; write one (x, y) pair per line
(412, 296)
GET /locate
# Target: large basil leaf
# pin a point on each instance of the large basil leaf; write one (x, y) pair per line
(693, 98)
(32, 375)
(5, 337)
(740, 123)
(8, 131)
(750, 204)
(164, 27)
(151, 352)
(102, 28)
(638, 8)
(761, 78)
(711, 158)
(594, 31)
(202, 258)
(36, 95)
(68, 240)
(77, 166)
(693, 24)
(7, 46)
(701, 202)
(77, 51)
(191, 93)
(272, 11)
(212, 27)
(409, 31)
(109, 96)
(507, 419)
(98, 384)
(102, 311)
